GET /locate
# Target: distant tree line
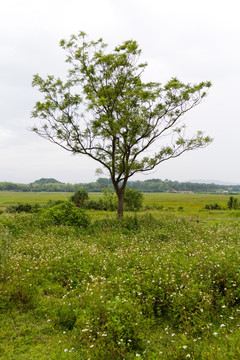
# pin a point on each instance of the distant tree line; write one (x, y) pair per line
(48, 187)
(158, 185)
(152, 185)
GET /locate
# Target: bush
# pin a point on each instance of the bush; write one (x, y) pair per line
(52, 203)
(153, 207)
(27, 208)
(214, 206)
(96, 205)
(107, 203)
(232, 203)
(110, 199)
(65, 213)
(79, 197)
(133, 200)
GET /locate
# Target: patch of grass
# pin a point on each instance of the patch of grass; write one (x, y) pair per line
(162, 284)
(149, 286)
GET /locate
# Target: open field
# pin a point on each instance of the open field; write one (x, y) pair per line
(152, 286)
(189, 202)
(182, 204)
(8, 198)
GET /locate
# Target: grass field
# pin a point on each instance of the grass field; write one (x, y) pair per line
(189, 202)
(8, 198)
(152, 286)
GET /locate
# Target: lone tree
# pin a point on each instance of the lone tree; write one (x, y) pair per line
(104, 110)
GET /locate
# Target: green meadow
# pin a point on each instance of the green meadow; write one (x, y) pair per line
(163, 283)
(189, 201)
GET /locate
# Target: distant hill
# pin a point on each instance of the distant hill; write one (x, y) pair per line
(47, 181)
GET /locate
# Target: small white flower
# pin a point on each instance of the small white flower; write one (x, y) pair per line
(222, 325)
(65, 350)
(215, 333)
(184, 346)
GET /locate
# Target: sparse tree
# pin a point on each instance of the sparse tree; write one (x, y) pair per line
(105, 110)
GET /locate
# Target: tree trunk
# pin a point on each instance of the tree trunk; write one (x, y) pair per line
(120, 203)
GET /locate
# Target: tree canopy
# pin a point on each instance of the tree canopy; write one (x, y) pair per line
(105, 110)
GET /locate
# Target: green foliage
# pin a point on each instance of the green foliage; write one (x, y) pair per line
(125, 116)
(65, 213)
(64, 317)
(96, 205)
(150, 185)
(27, 208)
(133, 199)
(233, 203)
(180, 208)
(79, 197)
(5, 245)
(109, 199)
(214, 206)
(145, 286)
(52, 203)
(46, 181)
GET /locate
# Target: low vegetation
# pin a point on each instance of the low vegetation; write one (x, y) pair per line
(152, 285)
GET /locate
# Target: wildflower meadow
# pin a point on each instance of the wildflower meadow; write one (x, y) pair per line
(154, 285)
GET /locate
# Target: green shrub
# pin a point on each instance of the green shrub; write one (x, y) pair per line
(133, 200)
(27, 208)
(96, 205)
(5, 245)
(52, 203)
(107, 203)
(65, 317)
(214, 206)
(109, 199)
(65, 213)
(153, 207)
(127, 223)
(79, 197)
(232, 203)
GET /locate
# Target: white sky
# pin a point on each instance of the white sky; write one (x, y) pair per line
(192, 40)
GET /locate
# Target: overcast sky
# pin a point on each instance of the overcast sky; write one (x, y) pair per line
(192, 40)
